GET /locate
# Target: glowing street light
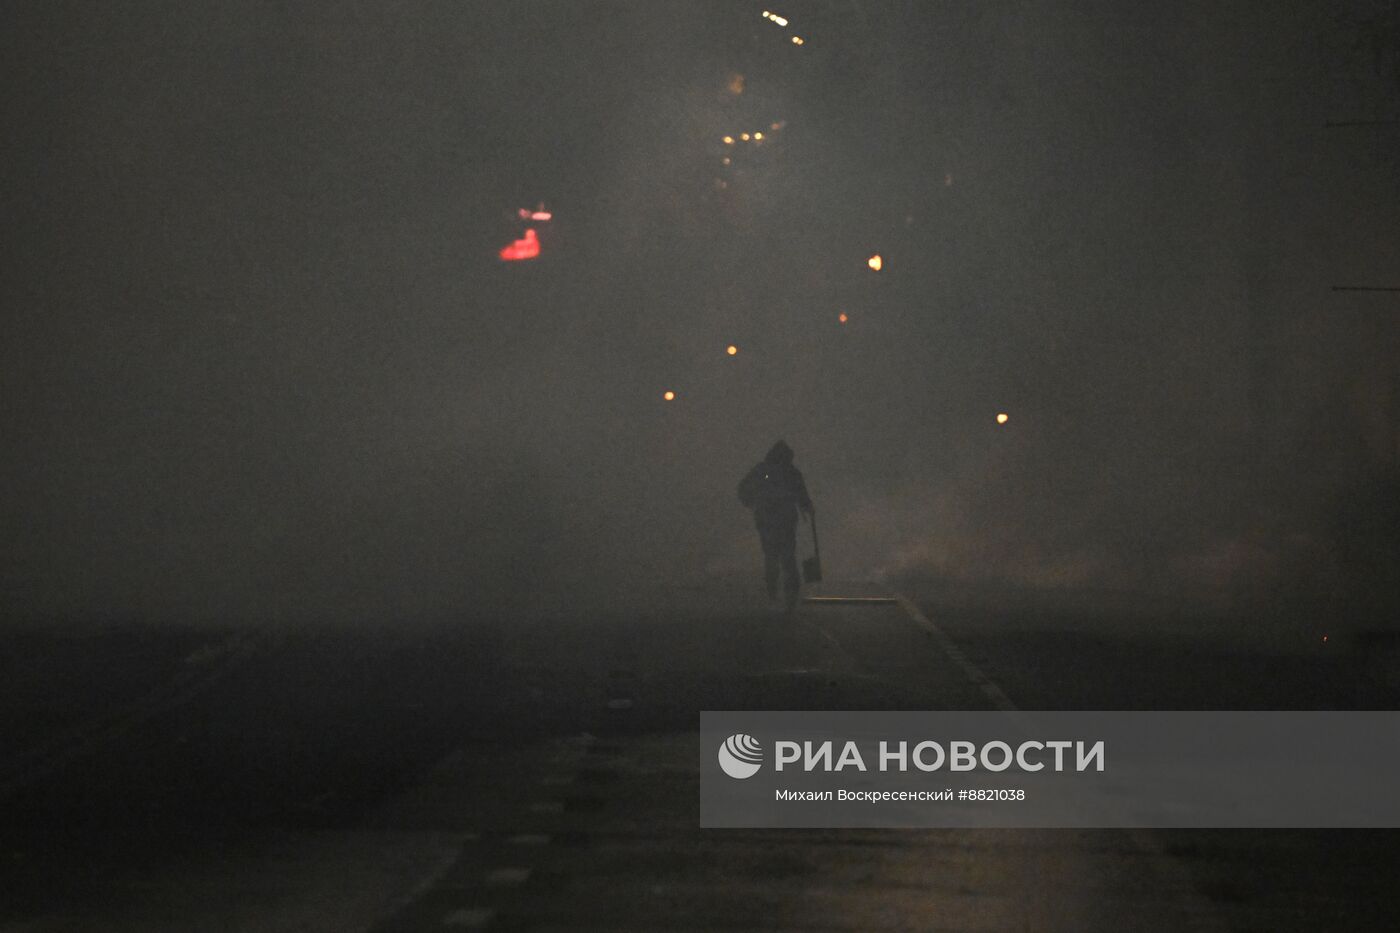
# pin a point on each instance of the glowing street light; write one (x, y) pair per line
(669, 396)
(731, 349)
(842, 317)
(729, 140)
(875, 262)
(797, 40)
(1003, 417)
(758, 137)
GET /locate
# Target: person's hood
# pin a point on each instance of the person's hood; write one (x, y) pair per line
(779, 453)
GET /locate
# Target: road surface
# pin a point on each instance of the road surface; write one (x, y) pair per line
(541, 775)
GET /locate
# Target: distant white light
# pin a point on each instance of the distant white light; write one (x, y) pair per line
(1003, 417)
(758, 136)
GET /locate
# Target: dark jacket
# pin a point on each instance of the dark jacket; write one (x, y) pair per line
(774, 488)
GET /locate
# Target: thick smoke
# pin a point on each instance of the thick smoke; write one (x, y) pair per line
(265, 365)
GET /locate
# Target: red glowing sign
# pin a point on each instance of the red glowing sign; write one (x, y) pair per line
(527, 248)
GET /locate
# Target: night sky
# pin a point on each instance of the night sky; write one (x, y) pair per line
(260, 359)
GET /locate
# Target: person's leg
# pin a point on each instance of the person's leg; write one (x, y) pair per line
(788, 555)
(769, 541)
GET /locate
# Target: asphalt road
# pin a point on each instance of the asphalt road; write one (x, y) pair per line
(504, 774)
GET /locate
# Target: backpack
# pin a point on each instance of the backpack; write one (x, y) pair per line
(751, 487)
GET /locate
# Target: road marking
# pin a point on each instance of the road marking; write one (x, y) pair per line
(469, 917)
(503, 876)
(1145, 841)
(583, 739)
(994, 693)
(196, 678)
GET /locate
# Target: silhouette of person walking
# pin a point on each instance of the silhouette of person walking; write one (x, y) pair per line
(776, 492)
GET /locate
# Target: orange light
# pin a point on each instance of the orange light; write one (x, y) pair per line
(796, 40)
(726, 160)
(775, 126)
(736, 84)
(528, 248)
(1324, 638)
(731, 349)
(669, 396)
(1003, 418)
(758, 136)
(744, 137)
(842, 317)
(729, 140)
(875, 262)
